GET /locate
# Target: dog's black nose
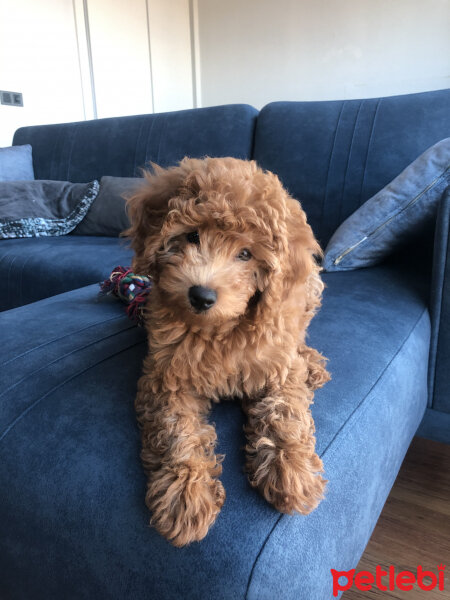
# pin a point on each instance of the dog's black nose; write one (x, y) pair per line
(201, 298)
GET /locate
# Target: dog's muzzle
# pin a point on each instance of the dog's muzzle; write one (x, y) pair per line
(201, 298)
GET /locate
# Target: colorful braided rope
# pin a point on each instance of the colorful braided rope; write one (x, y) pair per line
(130, 288)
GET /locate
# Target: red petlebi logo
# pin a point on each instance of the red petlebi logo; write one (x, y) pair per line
(388, 580)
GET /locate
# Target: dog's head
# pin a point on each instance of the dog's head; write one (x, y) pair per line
(219, 237)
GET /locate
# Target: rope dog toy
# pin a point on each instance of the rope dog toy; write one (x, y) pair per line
(130, 288)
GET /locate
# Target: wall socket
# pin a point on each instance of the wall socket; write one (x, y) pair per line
(11, 98)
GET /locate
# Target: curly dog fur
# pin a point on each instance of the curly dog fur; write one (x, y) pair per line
(229, 226)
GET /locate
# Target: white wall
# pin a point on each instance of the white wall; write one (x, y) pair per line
(120, 57)
(77, 59)
(170, 41)
(258, 51)
(39, 57)
(141, 55)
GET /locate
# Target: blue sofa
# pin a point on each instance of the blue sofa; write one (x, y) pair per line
(73, 523)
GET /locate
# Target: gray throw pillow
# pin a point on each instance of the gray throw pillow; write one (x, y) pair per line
(395, 214)
(43, 208)
(107, 216)
(16, 163)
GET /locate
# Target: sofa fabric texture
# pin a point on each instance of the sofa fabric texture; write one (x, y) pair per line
(118, 147)
(70, 365)
(121, 146)
(439, 392)
(333, 156)
(16, 163)
(73, 523)
(35, 268)
(395, 215)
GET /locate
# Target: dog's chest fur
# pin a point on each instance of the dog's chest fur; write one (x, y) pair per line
(231, 365)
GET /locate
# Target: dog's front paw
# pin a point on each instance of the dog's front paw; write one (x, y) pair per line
(185, 502)
(287, 479)
(316, 368)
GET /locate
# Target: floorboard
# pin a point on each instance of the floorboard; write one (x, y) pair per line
(414, 527)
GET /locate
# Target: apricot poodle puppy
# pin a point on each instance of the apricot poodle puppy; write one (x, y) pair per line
(236, 284)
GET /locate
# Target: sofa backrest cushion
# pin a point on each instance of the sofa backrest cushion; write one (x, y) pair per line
(119, 146)
(333, 156)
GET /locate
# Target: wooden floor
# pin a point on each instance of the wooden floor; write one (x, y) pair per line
(414, 527)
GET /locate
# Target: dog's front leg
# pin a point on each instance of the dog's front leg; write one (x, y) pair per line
(281, 458)
(316, 365)
(183, 492)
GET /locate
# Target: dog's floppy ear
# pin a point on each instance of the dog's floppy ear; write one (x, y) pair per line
(302, 246)
(304, 252)
(295, 250)
(147, 209)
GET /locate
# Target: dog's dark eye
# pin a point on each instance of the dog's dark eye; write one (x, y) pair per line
(244, 254)
(193, 238)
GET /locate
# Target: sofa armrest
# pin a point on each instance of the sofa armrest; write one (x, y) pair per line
(439, 366)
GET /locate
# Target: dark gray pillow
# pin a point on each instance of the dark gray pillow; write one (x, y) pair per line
(16, 163)
(107, 215)
(42, 208)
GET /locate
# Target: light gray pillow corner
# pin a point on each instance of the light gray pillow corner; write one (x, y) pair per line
(391, 216)
(16, 163)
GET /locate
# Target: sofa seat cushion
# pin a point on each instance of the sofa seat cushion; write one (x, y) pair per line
(72, 513)
(35, 268)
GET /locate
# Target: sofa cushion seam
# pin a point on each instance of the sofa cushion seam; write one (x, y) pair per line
(330, 160)
(344, 185)
(52, 341)
(368, 150)
(261, 550)
(43, 247)
(63, 383)
(64, 356)
(360, 404)
(424, 311)
(438, 322)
